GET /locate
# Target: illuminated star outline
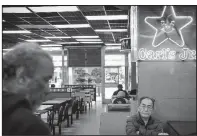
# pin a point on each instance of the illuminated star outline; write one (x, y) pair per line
(156, 30)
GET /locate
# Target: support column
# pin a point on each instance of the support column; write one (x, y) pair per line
(126, 71)
(63, 73)
(103, 73)
(133, 35)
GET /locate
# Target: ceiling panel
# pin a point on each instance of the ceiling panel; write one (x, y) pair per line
(41, 24)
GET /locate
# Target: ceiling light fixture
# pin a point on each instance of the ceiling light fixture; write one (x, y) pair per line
(52, 48)
(38, 40)
(113, 47)
(108, 17)
(61, 37)
(91, 42)
(55, 9)
(68, 42)
(51, 45)
(111, 30)
(16, 32)
(73, 26)
(84, 37)
(113, 44)
(15, 10)
(87, 40)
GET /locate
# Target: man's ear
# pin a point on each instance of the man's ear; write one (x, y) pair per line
(20, 76)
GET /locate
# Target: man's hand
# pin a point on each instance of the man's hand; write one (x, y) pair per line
(138, 132)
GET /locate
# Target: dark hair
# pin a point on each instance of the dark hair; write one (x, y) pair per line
(146, 97)
(120, 86)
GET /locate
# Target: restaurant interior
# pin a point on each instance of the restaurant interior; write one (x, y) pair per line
(149, 49)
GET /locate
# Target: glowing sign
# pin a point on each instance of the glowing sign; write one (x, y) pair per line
(166, 28)
(166, 54)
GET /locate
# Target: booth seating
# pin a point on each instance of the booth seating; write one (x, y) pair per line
(113, 123)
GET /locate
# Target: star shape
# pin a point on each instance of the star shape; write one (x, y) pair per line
(169, 27)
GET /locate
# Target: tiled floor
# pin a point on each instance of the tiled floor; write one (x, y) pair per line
(88, 123)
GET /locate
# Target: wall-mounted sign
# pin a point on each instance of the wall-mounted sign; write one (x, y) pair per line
(169, 25)
(166, 54)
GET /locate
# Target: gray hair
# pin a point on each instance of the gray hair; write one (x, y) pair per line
(24, 55)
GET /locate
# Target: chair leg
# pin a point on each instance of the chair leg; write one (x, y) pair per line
(71, 118)
(67, 121)
(60, 129)
(53, 130)
(77, 114)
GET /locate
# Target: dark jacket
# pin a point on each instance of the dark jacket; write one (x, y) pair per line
(18, 118)
(126, 93)
(135, 123)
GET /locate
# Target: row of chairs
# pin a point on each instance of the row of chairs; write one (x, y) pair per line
(64, 113)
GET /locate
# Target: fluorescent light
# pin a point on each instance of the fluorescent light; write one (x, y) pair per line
(51, 48)
(68, 42)
(17, 32)
(38, 40)
(61, 37)
(111, 30)
(73, 26)
(85, 37)
(55, 9)
(113, 47)
(91, 42)
(6, 50)
(16, 10)
(113, 44)
(51, 45)
(83, 40)
(112, 17)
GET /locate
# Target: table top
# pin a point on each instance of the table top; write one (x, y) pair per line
(183, 127)
(44, 107)
(64, 99)
(53, 102)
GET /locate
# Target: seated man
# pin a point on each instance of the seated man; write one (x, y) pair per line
(143, 123)
(120, 93)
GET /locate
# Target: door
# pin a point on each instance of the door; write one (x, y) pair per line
(114, 75)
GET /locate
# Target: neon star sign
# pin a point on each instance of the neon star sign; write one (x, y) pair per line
(166, 29)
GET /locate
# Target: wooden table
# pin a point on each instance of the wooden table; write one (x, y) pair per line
(182, 127)
(53, 102)
(64, 99)
(43, 109)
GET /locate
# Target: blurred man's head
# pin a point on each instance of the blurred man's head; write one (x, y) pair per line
(27, 69)
(120, 87)
(146, 106)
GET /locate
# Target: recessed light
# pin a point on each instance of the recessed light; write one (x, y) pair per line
(108, 17)
(111, 30)
(91, 42)
(15, 10)
(113, 47)
(61, 37)
(86, 40)
(55, 9)
(51, 45)
(113, 44)
(38, 40)
(73, 26)
(85, 37)
(16, 32)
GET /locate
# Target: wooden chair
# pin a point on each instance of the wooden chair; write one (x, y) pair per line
(58, 119)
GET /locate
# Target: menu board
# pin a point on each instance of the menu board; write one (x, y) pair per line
(84, 57)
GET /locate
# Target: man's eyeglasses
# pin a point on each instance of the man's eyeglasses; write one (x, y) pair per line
(148, 107)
